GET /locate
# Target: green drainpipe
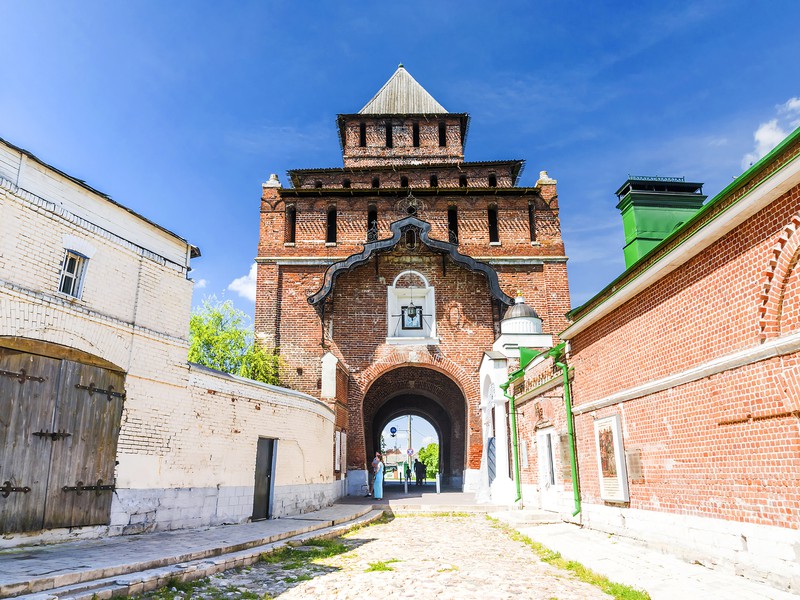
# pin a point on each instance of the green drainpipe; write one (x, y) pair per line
(512, 409)
(555, 352)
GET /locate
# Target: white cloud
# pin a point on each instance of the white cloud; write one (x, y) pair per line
(200, 284)
(767, 136)
(245, 286)
(790, 107)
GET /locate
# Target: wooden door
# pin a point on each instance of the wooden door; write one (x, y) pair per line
(89, 408)
(28, 390)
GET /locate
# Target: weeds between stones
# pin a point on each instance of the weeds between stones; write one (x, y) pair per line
(381, 565)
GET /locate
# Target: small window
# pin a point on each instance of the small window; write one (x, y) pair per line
(72, 272)
(404, 182)
(492, 180)
(494, 235)
(362, 135)
(345, 183)
(532, 220)
(317, 184)
(330, 236)
(442, 134)
(434, 181)
(389, 140)
(372, 223)
(452, 223)
(376, 182)
(415, 134)
(462, 181)
(290, 225)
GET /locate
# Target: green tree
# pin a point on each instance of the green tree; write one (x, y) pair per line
(429, 456)
(221, 337)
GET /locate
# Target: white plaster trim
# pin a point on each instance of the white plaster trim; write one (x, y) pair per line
(520, 260)
(297, 260)
(772, 348)
(758, 198)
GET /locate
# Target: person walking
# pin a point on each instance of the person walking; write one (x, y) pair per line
(377, 487)
(419, 471)
(371, 478)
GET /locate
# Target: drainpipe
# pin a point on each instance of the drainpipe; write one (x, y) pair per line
(512, 409)
(556, 352)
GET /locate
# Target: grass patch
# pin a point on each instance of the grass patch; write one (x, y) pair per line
(381, 565)
(298, 578)
(294, 558)
(617, 590)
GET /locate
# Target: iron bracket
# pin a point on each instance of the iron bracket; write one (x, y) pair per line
(21, 376)
(53, 435)
(80, 488)
(8, 488)
(92, 389)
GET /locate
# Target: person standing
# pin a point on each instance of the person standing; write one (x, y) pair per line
(419, 471)
(377, 487)
(371, 478)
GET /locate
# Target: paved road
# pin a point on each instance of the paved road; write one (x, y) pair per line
(430, 557)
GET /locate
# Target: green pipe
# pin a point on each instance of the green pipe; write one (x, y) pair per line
(514, 441)
(570, 428)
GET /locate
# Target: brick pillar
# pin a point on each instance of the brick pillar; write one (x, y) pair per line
(267, 273)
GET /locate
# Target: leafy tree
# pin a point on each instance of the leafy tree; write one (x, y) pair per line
(429, 455)
(221, 337)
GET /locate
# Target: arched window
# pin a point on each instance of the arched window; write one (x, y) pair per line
(532, 220)
(372, 223)
(330, 235)
(462, 181)
(389, 140)
(362, 135)
(434, 181)
(412, 310)
(442, 134)
(452, 223)
(317, 184)
(492, 180)
(494, 234)
(415, 134)
(404, 181)
(290, 224)
(345, 183)
(376, 182)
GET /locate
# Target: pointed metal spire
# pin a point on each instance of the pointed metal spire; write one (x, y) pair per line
(402, 95)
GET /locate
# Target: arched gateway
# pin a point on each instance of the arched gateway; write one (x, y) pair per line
(383, 283)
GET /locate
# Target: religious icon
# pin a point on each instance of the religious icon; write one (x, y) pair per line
(412, 317)
(608, 461)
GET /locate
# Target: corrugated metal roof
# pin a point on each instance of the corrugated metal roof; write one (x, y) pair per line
(402, 95)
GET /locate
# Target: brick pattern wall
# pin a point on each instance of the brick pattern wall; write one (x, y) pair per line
(448, 176)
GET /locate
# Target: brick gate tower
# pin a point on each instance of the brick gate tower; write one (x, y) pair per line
(389, 285)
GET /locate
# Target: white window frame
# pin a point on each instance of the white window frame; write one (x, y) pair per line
(397, 299)
(76, 277)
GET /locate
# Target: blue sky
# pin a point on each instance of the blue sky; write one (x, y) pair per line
(181, 109)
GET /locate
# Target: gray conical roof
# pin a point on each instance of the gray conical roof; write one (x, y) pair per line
(402, 95)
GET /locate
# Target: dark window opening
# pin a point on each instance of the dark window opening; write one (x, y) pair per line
(462, 181)
(404, 182)
(411, 239)
(362, 134)
(492, 180)
(452, 223)
(290, 226)
(389, 140)
(372, 223)
(376, 182)
(442, 134)
(532, 220)
(330, 236)
(434, 181)
(415, 134)
(345, 183)
(494, 234)
(317, 184)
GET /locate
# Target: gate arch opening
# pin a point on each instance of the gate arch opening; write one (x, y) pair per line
(427, 393)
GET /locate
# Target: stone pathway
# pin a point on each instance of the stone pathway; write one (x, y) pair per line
(410, 557)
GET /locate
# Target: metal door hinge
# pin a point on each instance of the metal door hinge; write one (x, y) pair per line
(7, 489)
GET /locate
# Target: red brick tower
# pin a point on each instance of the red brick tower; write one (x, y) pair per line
(383, 283)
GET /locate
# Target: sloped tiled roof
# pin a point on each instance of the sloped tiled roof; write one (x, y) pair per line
(402, 95)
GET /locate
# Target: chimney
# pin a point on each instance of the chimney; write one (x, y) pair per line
(654, 207)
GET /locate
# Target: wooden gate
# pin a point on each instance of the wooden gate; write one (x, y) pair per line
(59, 425)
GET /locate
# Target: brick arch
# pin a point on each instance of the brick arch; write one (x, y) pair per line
(780, 271)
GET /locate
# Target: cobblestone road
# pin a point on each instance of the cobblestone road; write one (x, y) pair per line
(419, 557)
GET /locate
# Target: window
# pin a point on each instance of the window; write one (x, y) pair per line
(415, 134)
(532, 220)
(330, 236)
(411, 306)
(434, 181)
(404, 181)
(492, 180)
(452, 223)
(494, 234)
(345, 183)
(376, 182)
(389, 140)
(290, 224)
(318, 184)
(362, 135)
(372, 223)
(442, 134)
(462, 181)
(72, 272)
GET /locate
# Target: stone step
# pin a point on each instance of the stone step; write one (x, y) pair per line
(522, 518)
